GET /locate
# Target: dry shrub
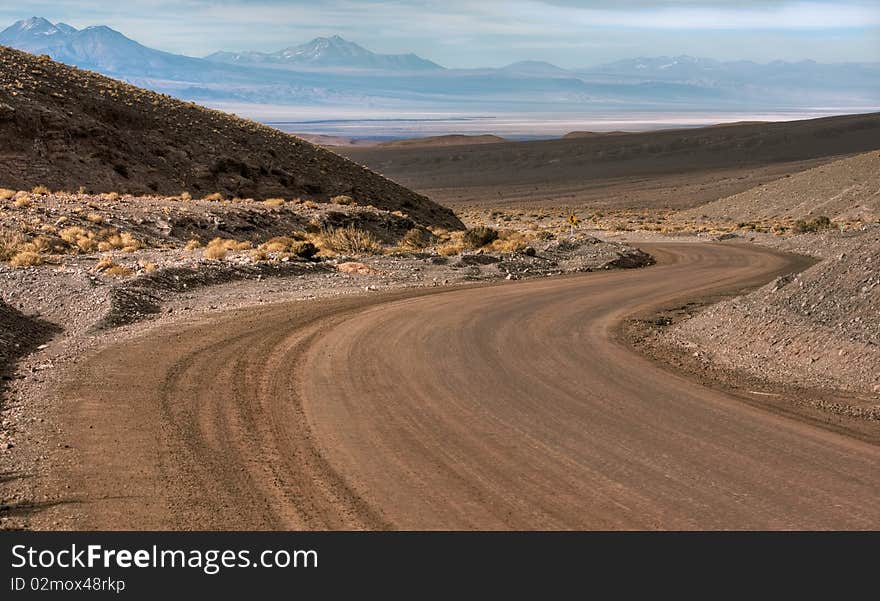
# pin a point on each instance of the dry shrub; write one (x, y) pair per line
(217, 252)
(108, 266)
(185, 196)
(418, 238)
(454, 244)
(218, 247)
(124, 241)
(43, 244)
(278, 244)
(6, 193)
(22, 202)
(448, 250)
(27, 258)
(310, 204)
(10, 244)
(304, 249)
(343, 199)
(95, 218)
(274, 202)
(77, 237)
(72, 234)
(350, 240)
(510, 241)
(817, 224)
(289, 246)
(480, 236)
(215, 197)
(192, 244)
(148, 266)
(41, 190)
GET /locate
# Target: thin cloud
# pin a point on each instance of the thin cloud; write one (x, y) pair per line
(489, 32)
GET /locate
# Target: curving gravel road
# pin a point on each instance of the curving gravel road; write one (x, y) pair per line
(505, 407)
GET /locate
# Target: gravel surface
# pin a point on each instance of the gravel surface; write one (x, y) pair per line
(51, 316)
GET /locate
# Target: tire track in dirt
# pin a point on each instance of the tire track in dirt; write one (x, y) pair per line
(510, 406)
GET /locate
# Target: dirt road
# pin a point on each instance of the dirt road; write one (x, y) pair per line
(511, 406)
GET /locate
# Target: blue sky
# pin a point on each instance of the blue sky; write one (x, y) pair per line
(471, 33)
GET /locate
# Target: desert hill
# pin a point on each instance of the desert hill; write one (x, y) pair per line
(674, 168)
(67, 128)
(448, 140)
(848, 190)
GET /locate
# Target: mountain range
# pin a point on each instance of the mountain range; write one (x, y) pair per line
(332, 52)
(337, 72)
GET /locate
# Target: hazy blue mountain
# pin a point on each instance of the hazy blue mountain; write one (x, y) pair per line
(537, 68)
(334, 72)
(34, 34)
(332, 52)
(99, 48)
(777, 76)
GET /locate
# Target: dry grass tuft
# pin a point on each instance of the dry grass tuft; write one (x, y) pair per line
(41, 191)
(217, 252)
(343, 199)
(274, 202)
(148, 266)
(124, 241)
(454, 244)
(215, 197)
(418, 238)
(10, 244)
(192, 244)
(510, 241)
(22, 202)
(6, 194)
(219, 247)
(77, 237)
(480, 236)
(108, 266)
(95, 218)
(27, 258)
(349, 240)
(289, 247)
(278, 245)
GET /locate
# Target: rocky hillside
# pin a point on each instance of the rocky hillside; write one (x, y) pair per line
(818, 329)
(845, 190)
(66, 128)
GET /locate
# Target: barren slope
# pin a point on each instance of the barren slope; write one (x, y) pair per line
(818, 329)
(64, 128)
(847, 190)
(675, 169)
(449, 140)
